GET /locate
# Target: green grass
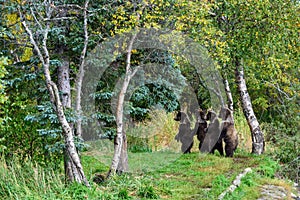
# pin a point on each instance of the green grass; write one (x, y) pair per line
(192, 176)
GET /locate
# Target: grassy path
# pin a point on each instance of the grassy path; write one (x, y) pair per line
(156, 175)
(165, 175)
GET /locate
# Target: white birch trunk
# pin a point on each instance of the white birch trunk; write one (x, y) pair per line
(228, 94)
(44, 57)
(80, 74)
(77, 169)
(229, 98)
(258, 144)
(120, 158)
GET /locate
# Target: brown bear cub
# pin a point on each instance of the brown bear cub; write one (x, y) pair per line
(185, 134)
(229, 133)
(213, 133)
(202, 127)
(217, 131)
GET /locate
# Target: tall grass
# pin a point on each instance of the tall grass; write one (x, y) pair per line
(28, 181)
(156, 134)
(241, 125)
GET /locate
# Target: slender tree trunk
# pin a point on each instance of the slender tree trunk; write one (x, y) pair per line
(120, 158)
(123, 163)
(229, 98)
(119, 162)
(227, 90)
(228, 94)
(80, 74)
(77, 169)
(258, 144)
(65, 91)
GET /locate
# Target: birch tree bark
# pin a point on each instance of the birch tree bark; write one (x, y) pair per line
(42, 52)
(64, 88)
(120, 158)
(80, 73)
(258, 144)
(229, 98)
(228, 94)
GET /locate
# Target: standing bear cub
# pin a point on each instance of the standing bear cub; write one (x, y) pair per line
(217, 132)
(229, 133)
(213, 132)
(185, 134)
(201, 126)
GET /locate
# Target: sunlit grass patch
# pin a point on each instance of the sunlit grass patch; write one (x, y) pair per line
(157, 134)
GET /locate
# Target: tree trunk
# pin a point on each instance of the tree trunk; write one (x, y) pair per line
(229, 98)
(44, 57)
(80, 73)
(120, 158)
(228, 94)
(123, 163)
(76, 173)
(258, 144)
(64, 83)
(65, 93)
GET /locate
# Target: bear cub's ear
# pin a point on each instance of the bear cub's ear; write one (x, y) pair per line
(202, 114)
(178, 116)
(211, 115)
(224, 113)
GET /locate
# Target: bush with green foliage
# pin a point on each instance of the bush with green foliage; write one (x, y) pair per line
(29, 125)
(3, 98)
(285, 140)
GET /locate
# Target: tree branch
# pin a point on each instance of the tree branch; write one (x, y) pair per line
(35, 19)
(32, 41)
(58, 19)
(277, 87)
(80, 74)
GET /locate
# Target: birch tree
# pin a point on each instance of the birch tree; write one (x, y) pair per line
(120, 158)
(258, 143)
(41, 24)
(135, 10)
(80, 73)
(260, 40)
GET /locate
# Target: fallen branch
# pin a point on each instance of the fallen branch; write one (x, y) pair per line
(236, 183)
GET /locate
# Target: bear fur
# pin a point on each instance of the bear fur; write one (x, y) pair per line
(202, 127)
(185, 134)
(214, 131)
(229, 133)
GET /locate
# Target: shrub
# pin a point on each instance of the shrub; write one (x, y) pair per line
(286, 144)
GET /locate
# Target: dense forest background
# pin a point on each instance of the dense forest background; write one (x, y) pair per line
(44, 47)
